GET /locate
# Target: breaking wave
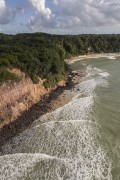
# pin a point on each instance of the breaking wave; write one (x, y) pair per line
(111, 57)
(66, 145)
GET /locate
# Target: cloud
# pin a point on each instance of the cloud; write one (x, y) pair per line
(63, 16)
(6, 14)
(43, 16)
(74, 14)
(88, 13)
(40, 7)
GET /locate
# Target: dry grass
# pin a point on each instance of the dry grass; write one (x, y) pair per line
(18, 97)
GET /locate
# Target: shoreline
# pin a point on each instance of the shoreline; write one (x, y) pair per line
(89, 56)
(50, 102)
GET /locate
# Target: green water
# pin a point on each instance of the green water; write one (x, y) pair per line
(107, 108)
(80, 141)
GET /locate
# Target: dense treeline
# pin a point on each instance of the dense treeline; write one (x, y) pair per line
(42, 55)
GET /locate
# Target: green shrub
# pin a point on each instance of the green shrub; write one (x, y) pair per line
(34, 79)
(4, 62)
(5, 75)
(39, 54)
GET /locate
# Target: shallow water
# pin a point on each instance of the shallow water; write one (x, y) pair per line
(80, 141)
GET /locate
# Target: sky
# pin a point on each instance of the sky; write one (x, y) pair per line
(60, 16)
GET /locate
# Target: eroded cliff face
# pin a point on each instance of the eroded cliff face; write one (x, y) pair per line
(17, 97)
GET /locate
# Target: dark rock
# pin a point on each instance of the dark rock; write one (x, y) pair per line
(36, 111)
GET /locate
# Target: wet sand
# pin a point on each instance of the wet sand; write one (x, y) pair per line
(81, 57)
(50, 102)
(67, 95)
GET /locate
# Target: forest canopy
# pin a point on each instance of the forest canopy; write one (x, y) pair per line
(42, 55)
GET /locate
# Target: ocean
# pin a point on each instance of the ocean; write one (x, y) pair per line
(79, 141)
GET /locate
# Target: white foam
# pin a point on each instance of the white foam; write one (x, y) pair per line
(73, 148)
(17, 166)
(93, 71)
(95, 77)
(66, 146)
(83, 64)
(97, 70)
(71, 144)
(111, 57)
(75, 109)
(105, 74)
(88, 87)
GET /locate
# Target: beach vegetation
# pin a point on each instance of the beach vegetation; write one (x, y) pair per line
(42, 55)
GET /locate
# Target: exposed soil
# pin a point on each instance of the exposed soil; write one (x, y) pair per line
(48, 103)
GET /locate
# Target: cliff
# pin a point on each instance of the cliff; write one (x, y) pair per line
(17, 97)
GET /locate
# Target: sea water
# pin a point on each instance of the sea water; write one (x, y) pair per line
(79, 141)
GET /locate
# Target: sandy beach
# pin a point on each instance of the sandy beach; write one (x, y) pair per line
(50, 102)
(81, 57)
(67, 95)
(56, 99)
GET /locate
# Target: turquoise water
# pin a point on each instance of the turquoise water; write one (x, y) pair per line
(81, 140)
